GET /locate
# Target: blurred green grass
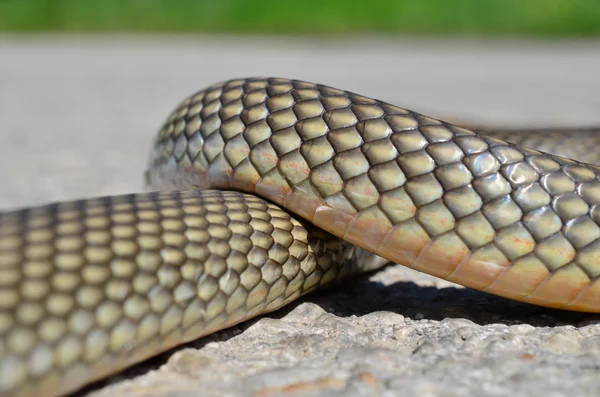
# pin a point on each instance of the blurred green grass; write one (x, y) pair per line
(307, 17)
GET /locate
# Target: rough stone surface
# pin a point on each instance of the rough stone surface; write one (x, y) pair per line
(77, 118)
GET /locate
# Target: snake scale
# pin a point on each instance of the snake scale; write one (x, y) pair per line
(304, 184)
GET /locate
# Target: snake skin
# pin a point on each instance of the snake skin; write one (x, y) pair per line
(92, 286)
(574, 143)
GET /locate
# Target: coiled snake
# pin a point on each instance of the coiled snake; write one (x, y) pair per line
(90, 287)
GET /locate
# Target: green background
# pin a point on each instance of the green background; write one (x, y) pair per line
(307, 17)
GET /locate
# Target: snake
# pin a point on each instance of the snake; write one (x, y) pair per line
(260, 190)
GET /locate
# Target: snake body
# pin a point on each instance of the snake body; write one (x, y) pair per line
(271, 188)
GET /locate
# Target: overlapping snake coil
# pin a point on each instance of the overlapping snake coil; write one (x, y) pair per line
(301, 175)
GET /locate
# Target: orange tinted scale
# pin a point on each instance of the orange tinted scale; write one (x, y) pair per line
(479, 270)
(561, 288)
(442, 256)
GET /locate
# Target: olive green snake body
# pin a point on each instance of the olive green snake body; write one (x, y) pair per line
(305, 182)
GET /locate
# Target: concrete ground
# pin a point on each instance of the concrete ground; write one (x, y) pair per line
(77, 117)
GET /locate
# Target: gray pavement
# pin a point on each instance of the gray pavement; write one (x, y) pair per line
(77, 117)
